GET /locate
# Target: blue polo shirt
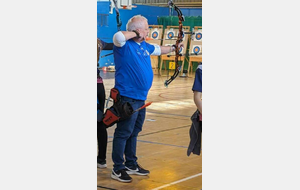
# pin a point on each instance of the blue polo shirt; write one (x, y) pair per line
(198, 80)
(134, 75)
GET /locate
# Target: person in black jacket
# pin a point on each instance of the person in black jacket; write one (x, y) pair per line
(197, 88)
(196, 127)
(101, 128)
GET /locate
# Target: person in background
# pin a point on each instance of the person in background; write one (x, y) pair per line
(196, 127)
(101, 129)
(197, 88)
(133, 79)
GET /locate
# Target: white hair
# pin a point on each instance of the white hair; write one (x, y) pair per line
(135, 22)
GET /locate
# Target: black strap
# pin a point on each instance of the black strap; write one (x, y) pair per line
(137, 33)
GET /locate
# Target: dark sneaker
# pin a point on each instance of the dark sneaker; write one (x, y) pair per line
(138, 170)
(102, 164)
(121, 175)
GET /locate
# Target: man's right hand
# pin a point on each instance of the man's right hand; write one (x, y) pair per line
(142, 35)
(137, 33)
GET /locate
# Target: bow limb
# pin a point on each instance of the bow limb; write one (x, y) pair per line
(119, 22)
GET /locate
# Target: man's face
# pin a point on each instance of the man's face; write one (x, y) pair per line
(144, 31)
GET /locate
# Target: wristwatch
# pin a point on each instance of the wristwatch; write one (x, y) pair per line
(137, 33)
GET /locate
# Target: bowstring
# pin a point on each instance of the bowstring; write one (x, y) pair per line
(171, 20)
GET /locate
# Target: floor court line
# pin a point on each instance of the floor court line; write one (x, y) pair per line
(162, 144)
(175, 182)
(164, 130)
(98, 186)
(156, 131)
(167, 114)
(155, 143)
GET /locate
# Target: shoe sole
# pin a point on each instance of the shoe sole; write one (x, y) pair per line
(122, 180)
(135, 173)
(101, 166)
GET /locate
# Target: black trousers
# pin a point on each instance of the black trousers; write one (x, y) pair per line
(101, 129)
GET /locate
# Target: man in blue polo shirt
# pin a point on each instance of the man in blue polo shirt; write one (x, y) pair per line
(133, 79)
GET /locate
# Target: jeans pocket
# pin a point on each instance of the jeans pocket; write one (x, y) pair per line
(129, 100)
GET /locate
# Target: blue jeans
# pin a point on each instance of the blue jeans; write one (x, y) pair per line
(125, 136)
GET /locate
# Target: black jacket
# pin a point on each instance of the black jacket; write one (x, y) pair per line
(195, 135)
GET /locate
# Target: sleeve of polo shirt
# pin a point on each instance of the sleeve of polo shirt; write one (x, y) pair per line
(119, 39)
(198, 81)
(153, 49)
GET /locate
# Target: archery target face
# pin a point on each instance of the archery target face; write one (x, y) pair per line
(181, 50)
(197, 49)
(183, 35)
(154, 35)
(170, 35)
(198, 35)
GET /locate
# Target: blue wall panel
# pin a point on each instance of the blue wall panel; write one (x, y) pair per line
(192, 12)
(103, 7)
(150, 12)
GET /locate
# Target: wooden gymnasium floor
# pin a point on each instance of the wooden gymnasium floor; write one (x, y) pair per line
(162, 145)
